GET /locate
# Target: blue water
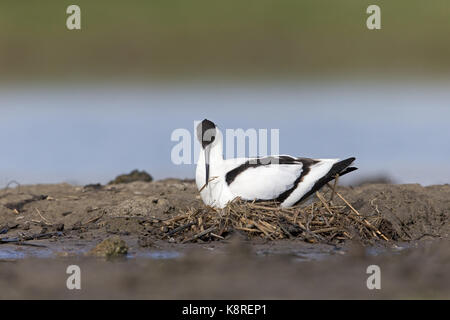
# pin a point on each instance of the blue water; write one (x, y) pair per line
(90, 133)
(14, 253)
(22, 253)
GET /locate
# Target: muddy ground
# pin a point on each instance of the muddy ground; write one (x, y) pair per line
(75, 219)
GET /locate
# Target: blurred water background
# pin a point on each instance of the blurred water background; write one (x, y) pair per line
(83, 106)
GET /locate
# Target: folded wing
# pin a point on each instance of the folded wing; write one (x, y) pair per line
(269, 178)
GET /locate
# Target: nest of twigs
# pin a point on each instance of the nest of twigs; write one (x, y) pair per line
(330, 219)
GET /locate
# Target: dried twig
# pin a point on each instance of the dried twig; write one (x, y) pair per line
(321, 221)
(336, 179)
(42, 217)
(367, 223)
(38, 236)
(201, 234)
(204, 186)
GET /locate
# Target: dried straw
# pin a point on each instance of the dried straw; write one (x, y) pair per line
(322, 221)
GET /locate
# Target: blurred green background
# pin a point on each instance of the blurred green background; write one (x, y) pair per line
(85, 105)
(158, 38)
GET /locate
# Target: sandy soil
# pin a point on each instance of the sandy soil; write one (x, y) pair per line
(81, 217)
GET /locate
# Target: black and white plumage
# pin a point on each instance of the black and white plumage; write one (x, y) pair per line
(285, 179)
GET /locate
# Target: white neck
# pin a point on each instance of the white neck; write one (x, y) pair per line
(216, 150)
(215, 155)
(217, 193)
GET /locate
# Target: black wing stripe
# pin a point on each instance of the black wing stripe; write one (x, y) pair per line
(340, 168)
(254, 163)
(306, 168)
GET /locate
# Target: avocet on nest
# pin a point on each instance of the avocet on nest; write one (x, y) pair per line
(284, 179)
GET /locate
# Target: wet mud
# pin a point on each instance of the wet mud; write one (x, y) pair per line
(45, 228)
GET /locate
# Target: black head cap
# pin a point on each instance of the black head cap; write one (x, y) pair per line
(206, 132)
